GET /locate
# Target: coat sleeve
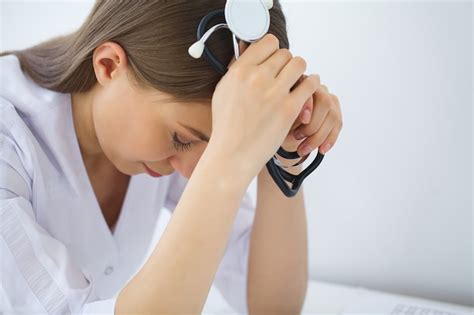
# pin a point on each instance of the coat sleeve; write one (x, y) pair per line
(37, 274)
(231, 276)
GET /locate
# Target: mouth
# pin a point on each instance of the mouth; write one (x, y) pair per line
(151, 172)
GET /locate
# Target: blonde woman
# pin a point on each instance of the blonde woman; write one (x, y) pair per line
(103, 127)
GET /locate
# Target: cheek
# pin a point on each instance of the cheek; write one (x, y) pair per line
(108, 117)
(125, 133)
(143, 138)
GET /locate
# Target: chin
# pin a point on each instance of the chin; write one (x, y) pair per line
(127, 169)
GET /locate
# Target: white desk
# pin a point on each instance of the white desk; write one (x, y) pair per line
(329, 298)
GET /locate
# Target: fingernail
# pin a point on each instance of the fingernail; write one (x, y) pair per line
(306, 149)
(306, 116)
(298, 135)
(326, 148)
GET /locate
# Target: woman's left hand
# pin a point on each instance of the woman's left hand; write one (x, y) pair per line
(320, 125)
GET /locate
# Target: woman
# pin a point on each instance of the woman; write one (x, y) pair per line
(103, 127)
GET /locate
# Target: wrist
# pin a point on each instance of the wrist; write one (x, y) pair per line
(234, 172)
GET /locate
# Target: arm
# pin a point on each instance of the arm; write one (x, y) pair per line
(278, 261)
(180, 271)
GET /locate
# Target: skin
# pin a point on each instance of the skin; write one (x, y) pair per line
(121, 126)
(144, 120)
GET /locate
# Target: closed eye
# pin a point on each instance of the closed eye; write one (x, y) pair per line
(179, 145)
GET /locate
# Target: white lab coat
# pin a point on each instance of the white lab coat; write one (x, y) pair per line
(57, 252)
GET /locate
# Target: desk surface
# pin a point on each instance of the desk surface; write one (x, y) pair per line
(330, 298)
(325, 298)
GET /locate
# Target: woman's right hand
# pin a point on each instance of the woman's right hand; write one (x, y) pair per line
(253, 107)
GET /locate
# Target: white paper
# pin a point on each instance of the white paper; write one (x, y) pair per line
(372, 302)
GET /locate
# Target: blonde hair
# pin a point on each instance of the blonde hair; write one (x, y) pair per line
(155, 35)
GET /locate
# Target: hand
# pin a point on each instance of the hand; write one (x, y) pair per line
(252, 106)
(320, 127)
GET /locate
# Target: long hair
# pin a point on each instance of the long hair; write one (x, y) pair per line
(155, 35)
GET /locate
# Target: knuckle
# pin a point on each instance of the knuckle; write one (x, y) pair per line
(332, 115)
(238, 71)
(286, 53)
(274, 41)
(300, 62)
(325, 98)
(243, 72)
(256, 78)
(316, 81)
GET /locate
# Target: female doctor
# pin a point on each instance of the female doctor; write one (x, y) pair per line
(103, 127)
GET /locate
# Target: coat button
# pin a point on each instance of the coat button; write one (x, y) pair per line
(108, 270)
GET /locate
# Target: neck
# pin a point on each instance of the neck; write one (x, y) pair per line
(84, 124)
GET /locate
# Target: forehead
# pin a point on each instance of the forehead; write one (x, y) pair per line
(190, 112)
(196, 114)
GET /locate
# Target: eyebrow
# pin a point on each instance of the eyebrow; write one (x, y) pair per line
(196, 132)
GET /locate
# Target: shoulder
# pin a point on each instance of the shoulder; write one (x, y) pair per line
(29, 98)
(16, 152)
(34, 121)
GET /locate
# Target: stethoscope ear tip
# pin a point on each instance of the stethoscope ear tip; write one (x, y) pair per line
(268, 4)
(196, 49)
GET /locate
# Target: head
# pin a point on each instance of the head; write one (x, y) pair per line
(136, 93)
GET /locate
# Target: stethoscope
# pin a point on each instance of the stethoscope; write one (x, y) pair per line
(249, 21)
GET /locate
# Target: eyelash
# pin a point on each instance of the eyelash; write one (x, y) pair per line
(180, 145)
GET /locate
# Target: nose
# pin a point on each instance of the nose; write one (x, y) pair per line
(184, 165)
(185, 170)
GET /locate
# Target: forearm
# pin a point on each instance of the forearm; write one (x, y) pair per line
(278, 258)
(179, 273)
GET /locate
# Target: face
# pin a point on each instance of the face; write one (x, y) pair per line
(136, 126)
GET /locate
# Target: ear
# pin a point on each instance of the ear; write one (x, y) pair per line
(108, 60)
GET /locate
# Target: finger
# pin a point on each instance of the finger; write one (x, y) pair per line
(257, 52)
(330, 141)
(319, 115)
(298, 121)
(308, 105)
(324, 88)
(306, 112)
(289, 78)
(315, 140)
(275, 63)
(304, 90)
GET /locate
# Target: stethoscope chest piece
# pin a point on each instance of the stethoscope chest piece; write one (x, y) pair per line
(248, 20)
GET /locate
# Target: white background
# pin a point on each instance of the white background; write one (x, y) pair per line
(390, 207)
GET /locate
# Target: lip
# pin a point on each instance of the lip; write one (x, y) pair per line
(151, 172)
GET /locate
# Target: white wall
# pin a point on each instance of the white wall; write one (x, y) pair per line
(391, 204)
(390, 207)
